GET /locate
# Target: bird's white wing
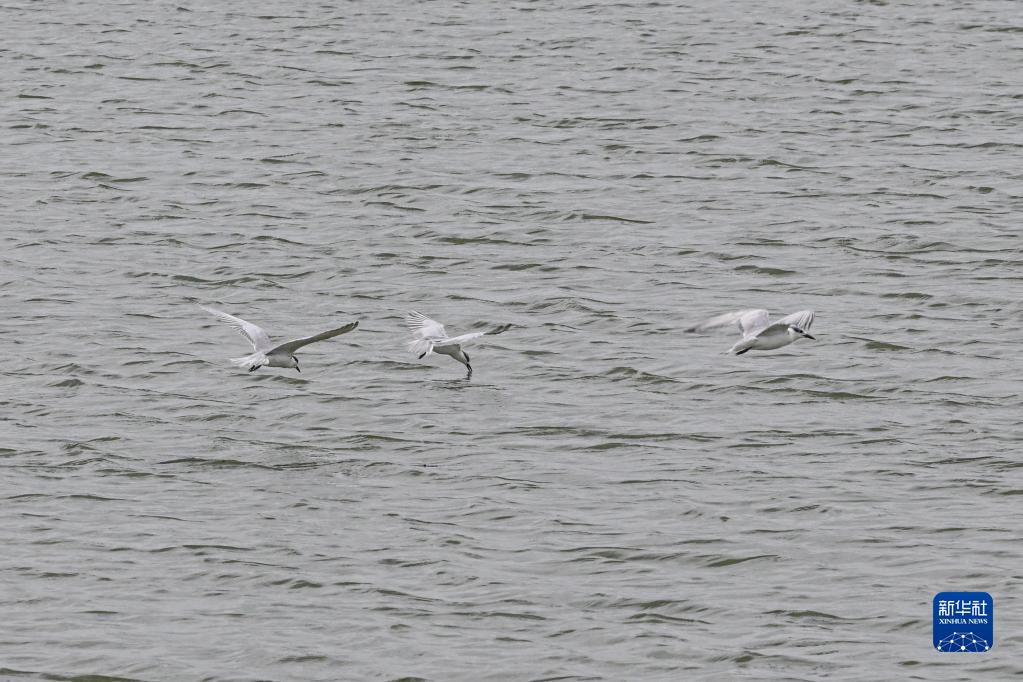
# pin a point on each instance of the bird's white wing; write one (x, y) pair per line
(794, 320)
(423, 327)
(753, 321)
(256, 336)
(471, 336)
(801, 320)
(292, 346)
(744, 318)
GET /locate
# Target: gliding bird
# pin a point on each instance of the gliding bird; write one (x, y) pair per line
(758, 332)
(429, 337)
(266, 354)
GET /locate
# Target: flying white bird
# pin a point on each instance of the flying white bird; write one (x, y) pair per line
(758, 332)
(267, 354)
(429, 337)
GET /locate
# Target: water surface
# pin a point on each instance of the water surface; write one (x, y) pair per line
(606, 498)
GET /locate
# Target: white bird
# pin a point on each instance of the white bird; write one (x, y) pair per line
(429, 337)
(267, 354)
(758, 332)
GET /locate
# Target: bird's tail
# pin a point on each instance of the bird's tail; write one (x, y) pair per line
(741, 347)
(420, 347)
(251, 362)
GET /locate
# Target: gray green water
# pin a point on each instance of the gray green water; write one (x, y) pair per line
(607, 498)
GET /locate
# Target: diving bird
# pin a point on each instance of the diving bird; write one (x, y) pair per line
(429, 337)
(267, 354)
(758, 332)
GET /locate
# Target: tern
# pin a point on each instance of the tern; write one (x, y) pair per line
(429, 337)
(758, 332)
(266, 354)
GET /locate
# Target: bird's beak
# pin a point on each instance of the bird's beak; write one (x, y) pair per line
(298, 370)
(812, 338)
